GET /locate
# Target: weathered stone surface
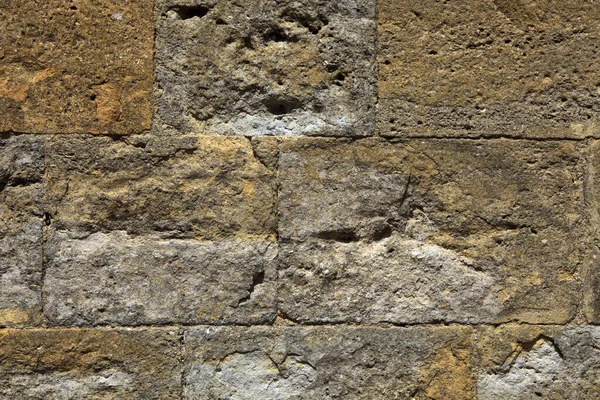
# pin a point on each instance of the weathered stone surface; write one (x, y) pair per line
(592, 200)
(266, 67)
(205, 188)
(21, 220)
(422, 231)
(485, 68)
(527, 362)
(90, 364)
(76, 66)
(327, 363)
(118, 279)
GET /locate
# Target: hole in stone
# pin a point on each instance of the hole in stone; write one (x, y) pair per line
(432, 52)
(281, 106)
(92, 96)
(340, 77)
(187, 12)
(343, 236)
(221, 22)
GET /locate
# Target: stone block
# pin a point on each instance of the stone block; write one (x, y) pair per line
(76, 66)
(241, 363)
(113, 278)
(90, 364)
(266, 67)
(425, 231)
(488, 68)
(203, 188)
(21, 221)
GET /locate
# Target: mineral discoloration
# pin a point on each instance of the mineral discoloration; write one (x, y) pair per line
(119, 279)
(488, 68)
(69, 67)
(266, 67)
(327, 362)
(481, 214)
(89, 364)
(21, 221)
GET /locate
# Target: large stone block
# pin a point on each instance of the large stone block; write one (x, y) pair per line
(204, 188)
(240, 363)
(488, 68)
(426, 231)
(118, 279)
(90, 364)
(76, 66)
(528, 362)
(21, 221)
(266, 67)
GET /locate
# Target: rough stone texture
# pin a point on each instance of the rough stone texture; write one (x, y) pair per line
(118, 279)
(266, 67)
(76, 66)
(327, 363)
(423, 231)
(592, 199)
(204, 188)
(89, 364)
(488, 68)
(528, 362)
(21, 220)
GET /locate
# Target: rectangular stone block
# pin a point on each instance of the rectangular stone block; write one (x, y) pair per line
(488, 68)
(527, 362)
(76, 66)
(21, 221)
(204, 188)
(113, 278)
(90, 364)
(592, 200)
(418, 231)
(266, 67)
(241, 363)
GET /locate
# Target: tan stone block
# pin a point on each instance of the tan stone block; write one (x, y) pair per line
(488, 68)
(328, 362)
(436, 230)
(76, 66)
(205, 188)
(90, 364)
(525, 362)
(21, 221)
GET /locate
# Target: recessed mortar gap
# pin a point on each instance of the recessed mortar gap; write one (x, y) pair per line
(188, 12)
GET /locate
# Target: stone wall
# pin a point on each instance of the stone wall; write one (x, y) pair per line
(299, 199)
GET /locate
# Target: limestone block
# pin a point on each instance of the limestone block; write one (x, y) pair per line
(76, 66)
(488, 68)
(114, 278)
(204, 188)
(90, 364)
(526, 362)
(241, 363)
(427, 231)
(21, 221)
(266, 67)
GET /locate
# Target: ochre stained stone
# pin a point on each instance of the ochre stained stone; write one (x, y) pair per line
(437, 230)
(342, 362)
(90, 364)
(519, 68)
(526, 362)
(204, 188)
(114, 278)
(255, 67)
(76, 66)
(21, 221)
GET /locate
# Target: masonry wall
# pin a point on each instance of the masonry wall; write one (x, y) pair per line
(277, 199)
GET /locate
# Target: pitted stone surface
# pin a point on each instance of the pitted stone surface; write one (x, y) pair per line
(520, 362)
(190, 187)
(422, 231)
(65, 364)
(240, 363)
(21, 221)
(118, 279)
(488, 68)
(266, 67)
(76, 66)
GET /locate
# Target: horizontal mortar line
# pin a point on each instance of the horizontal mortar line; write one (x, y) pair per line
(313, 325)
